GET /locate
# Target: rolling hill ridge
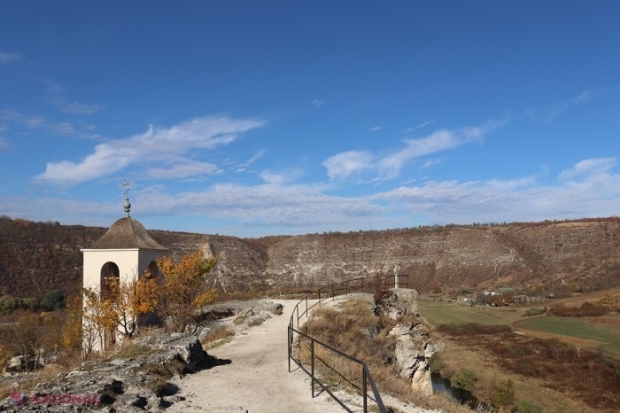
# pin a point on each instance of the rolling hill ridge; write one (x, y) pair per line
(559, 257)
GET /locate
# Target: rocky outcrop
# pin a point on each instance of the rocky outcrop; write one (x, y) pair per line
(140, 382)
(129, 385)
(414, 346)
(398, 302)
(244, 309)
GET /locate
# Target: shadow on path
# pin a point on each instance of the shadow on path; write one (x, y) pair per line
(212, 361)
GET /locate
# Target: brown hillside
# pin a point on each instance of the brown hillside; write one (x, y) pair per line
(541, 258)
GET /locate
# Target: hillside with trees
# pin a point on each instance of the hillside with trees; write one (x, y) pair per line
(551, 257)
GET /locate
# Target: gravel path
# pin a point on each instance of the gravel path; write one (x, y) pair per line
(256, 379)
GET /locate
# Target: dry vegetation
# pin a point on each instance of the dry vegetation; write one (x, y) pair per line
(354, 329)
(550, 257)
(587, 309)
(507, 371)
(217, 337)
(580, 376)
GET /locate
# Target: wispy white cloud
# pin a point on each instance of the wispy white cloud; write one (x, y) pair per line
(75, 108)
(375, 128)
(106, 160)
(431, 162)
(597, 193)
(6, 58)
(589, 167)
(511, 184)
(183, 169)
(4, 144)
(156, 144)
(318, 102)
(275, 179)
(280, 201)
(54, 88)
(419, 126)
(438, 141)
(564, 105)
(345, 164)
(244, 166)
(31, 122)
(66, 211)
(272, 203)
(59, 101)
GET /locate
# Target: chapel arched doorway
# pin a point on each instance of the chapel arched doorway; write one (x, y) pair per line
(110, 274)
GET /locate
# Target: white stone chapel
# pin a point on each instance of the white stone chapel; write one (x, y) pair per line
(125, 251)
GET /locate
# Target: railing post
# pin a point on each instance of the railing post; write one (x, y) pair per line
(364, 390)
(290, 345)
(306, 307)
(312, 363)
(333, 298)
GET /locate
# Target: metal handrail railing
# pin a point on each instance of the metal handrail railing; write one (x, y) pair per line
(346, 287)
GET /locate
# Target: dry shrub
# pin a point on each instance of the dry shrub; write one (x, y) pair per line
(28, 382)
(534, 311)
(355, 330)
(6, 389)
(587, 309)
(464, 379)
(579, 374)
(503, 394)
(217, 337)
(129, 350)
(526, 406)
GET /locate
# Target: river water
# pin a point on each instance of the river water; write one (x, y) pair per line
(458, 396)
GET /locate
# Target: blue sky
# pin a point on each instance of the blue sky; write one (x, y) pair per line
(253, 118)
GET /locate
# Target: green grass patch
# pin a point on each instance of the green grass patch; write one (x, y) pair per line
(577, 327)
(442, 312)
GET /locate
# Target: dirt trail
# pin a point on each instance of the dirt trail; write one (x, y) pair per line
(256, 379)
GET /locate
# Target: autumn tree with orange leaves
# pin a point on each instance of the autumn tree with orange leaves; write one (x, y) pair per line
(183, 288)
(610, 302)
(119, 308)
(129, 300)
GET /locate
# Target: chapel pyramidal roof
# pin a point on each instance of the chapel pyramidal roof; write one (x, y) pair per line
(127, 233)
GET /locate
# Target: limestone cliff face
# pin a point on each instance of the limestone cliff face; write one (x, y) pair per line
(577, 253)
(432, 256)
(240, 263)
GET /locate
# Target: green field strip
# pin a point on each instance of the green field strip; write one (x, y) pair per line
(580, 327)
